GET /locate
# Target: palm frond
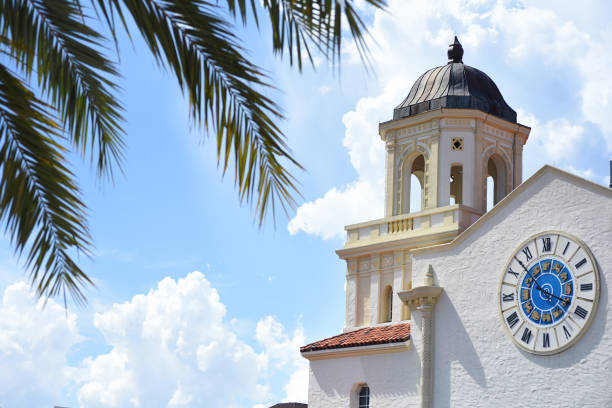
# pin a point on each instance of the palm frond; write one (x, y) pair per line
(190, 38)
(53, 44)
(298, 25)
(39, 201)
(52, 41)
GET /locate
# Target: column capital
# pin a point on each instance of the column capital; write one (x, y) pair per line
(421, 296)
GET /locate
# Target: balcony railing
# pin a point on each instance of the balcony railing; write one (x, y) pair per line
(454, 217)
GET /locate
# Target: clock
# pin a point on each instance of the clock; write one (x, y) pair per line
(548, 292)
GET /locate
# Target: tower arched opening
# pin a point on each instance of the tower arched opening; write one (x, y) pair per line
(497, 171)
(414, 182)
(386, 305)
(456, 184)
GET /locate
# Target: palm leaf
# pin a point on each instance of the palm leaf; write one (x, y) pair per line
(190, 38)
(52, 44)
(52, 41)
(298, 25)
(39, 201)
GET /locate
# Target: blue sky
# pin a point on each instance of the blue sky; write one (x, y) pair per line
(157, 333)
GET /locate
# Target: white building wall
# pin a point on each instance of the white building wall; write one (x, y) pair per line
(393, 379)
(476, 362)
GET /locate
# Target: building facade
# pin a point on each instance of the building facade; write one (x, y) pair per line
(457, 304)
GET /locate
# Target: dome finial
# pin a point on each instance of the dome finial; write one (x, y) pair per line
(455, 52)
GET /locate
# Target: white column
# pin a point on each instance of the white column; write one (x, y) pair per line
(374, 296)
(423, 298)
(389, 177)
(427, 341)
(432, 180)
(397, 287)
(351, 294)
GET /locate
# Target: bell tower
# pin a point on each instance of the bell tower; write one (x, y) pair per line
(453, 131)
(452, 142)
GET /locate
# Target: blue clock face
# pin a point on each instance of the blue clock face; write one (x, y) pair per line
(546, 291)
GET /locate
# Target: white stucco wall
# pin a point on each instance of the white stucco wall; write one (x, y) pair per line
(392, 377)
(476, 362)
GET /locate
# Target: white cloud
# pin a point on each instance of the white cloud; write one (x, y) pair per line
(35, 340)
(170, 347)
(296, 389)
(584, 173)
(326, 216)
(283, 352)
(596, 91)
(279, 348)
(559, 138)
(532, 32)
(553, 142)
(362, 199)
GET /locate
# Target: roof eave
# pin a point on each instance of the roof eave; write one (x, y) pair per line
(391, 347)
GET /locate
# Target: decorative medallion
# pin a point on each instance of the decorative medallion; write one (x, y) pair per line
(457, 144)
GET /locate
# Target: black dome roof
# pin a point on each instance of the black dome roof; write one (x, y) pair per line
(454, 85)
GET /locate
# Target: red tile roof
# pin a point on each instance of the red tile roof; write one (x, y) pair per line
(394, 333)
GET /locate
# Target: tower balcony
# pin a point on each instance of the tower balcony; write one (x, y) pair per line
(428, 227)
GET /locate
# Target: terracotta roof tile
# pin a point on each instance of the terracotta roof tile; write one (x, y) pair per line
(367, 336)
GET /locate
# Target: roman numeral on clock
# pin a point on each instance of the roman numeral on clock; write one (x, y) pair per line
(545, 340)
(566, 332)
(527, 253)
(512, 320)
(580, 312)
(584, 287)
(510, 271)
(526, 335)
(582, 262)
(508, 297)
(546, 244)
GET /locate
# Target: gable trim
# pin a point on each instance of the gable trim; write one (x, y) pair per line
(546, 169)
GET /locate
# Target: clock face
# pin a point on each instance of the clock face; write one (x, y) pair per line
(548, 292)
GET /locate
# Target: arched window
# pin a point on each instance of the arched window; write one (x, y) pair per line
(456, 184)
(415, 194)
(364, 397)
(490, 191)
(412, 187)
(386, 304)
(496, 171)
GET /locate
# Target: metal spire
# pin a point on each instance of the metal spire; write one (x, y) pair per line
(455, 52)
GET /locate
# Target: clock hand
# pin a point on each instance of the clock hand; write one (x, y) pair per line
(564, 301)
(541, 289)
